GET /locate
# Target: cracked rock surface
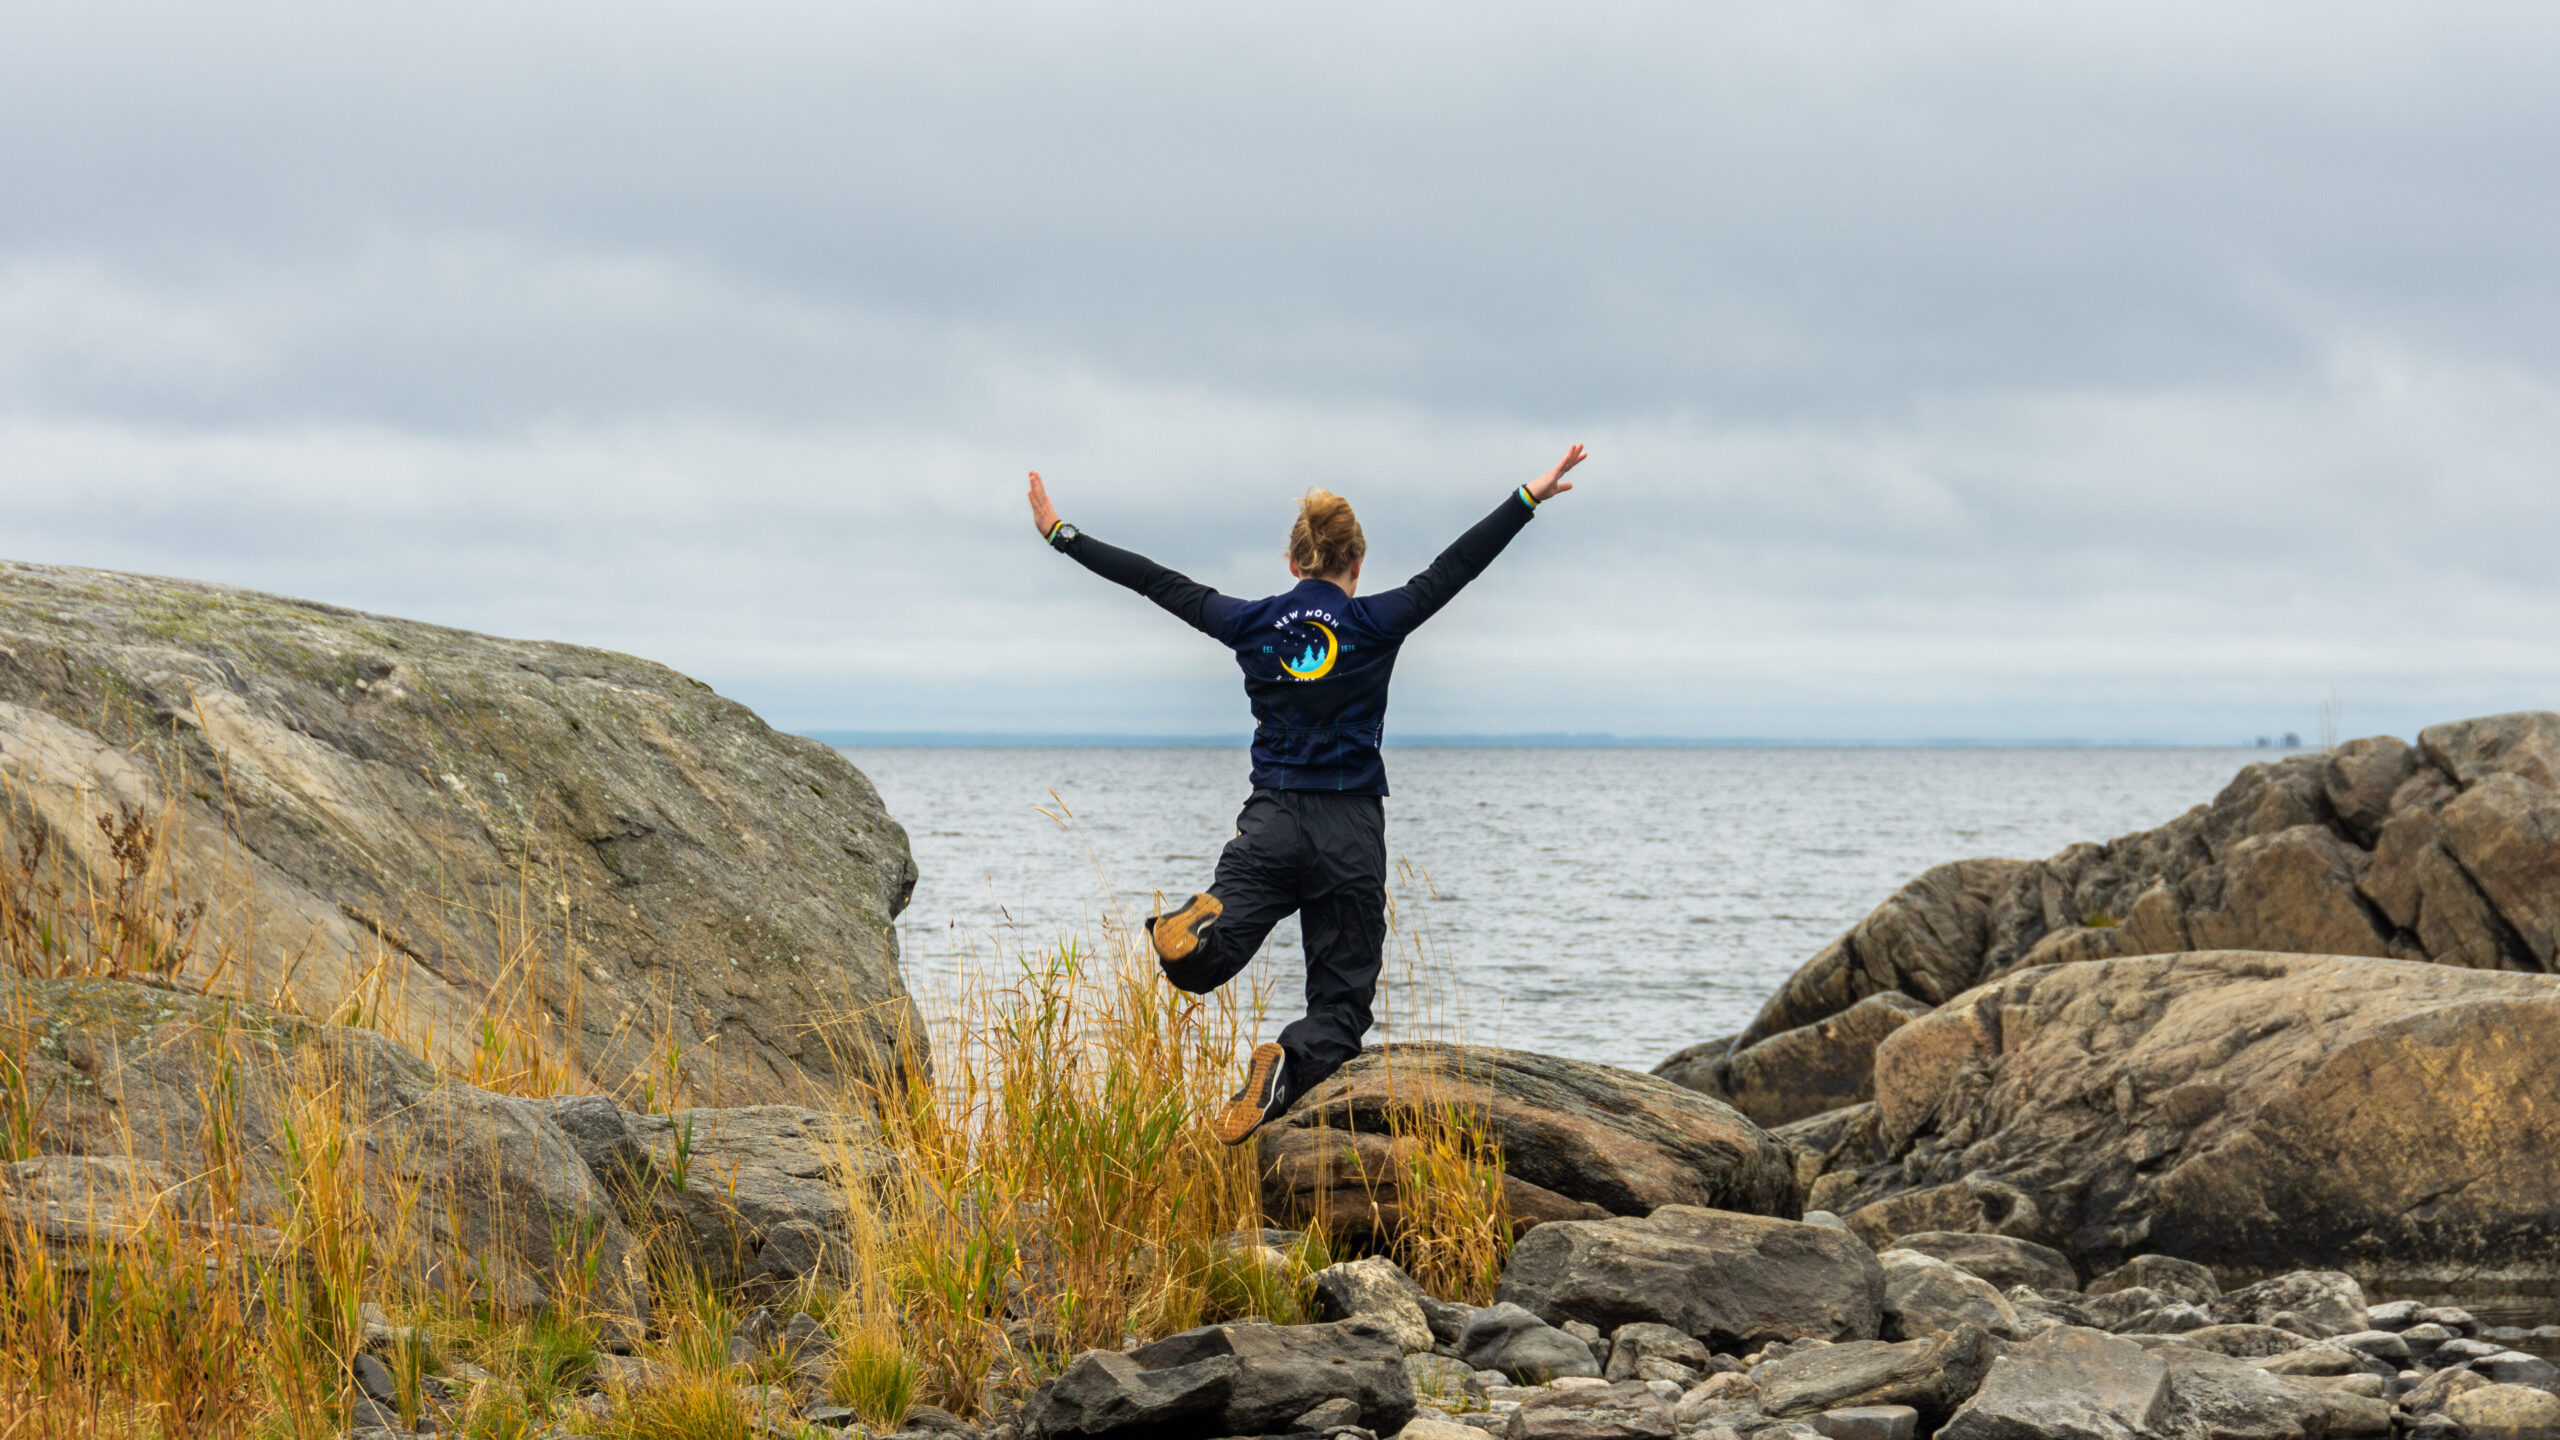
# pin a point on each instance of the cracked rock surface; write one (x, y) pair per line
(429, 798)
(2251, 1111)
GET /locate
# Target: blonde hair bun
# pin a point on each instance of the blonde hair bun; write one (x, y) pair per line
(1326, 541)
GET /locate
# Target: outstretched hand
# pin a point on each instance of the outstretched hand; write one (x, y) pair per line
(1544, 487)
(1043, 514)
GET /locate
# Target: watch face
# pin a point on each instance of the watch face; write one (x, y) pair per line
(1068, 532)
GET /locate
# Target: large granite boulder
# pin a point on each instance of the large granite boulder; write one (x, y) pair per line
(1733, 1281)
(379, 807)
(1577, 1140)
(2254, 1112)
(2445, 851)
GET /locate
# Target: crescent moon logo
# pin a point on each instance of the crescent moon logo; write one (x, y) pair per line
(1314, 664)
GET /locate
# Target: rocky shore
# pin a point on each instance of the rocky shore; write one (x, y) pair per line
(2127, 1142)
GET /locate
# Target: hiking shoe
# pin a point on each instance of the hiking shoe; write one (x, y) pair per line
(1180, 935)
(1262, 1098)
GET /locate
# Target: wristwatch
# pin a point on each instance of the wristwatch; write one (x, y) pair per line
(1061, 534)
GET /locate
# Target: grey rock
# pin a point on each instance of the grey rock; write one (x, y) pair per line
(1716, 1395)
(374, 1379)
(2424, 1339)
(2516, 1367)
(805, 1335)
(1734, 1281)
(361, 776)
(2003, 1260)
(763, 1172)
(793, 1250)
(2461, 1351)
(1105, 1393)
(2165, 1320)
(1933, 1376)
(1447, 1317)
(2117, 1309)
(1331, 1415)
(1638, 1341)
(833, 1417)
(2393, 1315)
(2067, 1384)
(1625, 1411)
(2451, 1317)
(2430, 1395)
(1444, 1383)
(2210, 1156)
(2380, 1344)
(2367, 1386)
(2506, 1412)
(1576, 1139)
(1591, 1337)
(1228, 1380)
(1286, 1370)
(1432, 1427)
(2167, 1276)
(1926, 1296)
(2226, 1399)
(1510, 1339)
(2322, 1358)
(1376, 1287)
(1815, 1067)
(2331, 1302)
(1868, 1422)
(934, 1420)
(496, 1183)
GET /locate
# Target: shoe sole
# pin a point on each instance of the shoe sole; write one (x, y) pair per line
(1177, 936)
(1243, 1115)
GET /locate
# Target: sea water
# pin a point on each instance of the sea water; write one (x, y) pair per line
(1610, 903)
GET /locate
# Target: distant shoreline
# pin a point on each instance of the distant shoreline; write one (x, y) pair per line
(998, 740)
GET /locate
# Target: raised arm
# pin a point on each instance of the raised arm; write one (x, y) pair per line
(1186, 599)
(1418, 599)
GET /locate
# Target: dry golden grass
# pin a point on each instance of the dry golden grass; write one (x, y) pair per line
(1056, 1188)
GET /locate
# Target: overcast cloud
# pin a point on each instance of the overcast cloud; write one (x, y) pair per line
(1972, 369)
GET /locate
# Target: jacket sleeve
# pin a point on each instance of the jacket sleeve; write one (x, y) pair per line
(1404, 608)
(1186, 599)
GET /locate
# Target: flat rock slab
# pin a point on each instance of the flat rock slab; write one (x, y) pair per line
(1581, 1133)
(1732, 1281)
(2067, 1384)
(1625, 1411)
(1932, 1376)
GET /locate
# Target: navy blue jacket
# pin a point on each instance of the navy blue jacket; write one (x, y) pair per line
(1316, 661)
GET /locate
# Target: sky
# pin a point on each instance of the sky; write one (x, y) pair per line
(1990, 370)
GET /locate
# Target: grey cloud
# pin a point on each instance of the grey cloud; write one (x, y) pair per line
(1998, 369)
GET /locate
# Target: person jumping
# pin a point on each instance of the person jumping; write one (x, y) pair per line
(1313, 834)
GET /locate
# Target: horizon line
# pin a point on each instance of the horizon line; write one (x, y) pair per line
(1568, 740)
